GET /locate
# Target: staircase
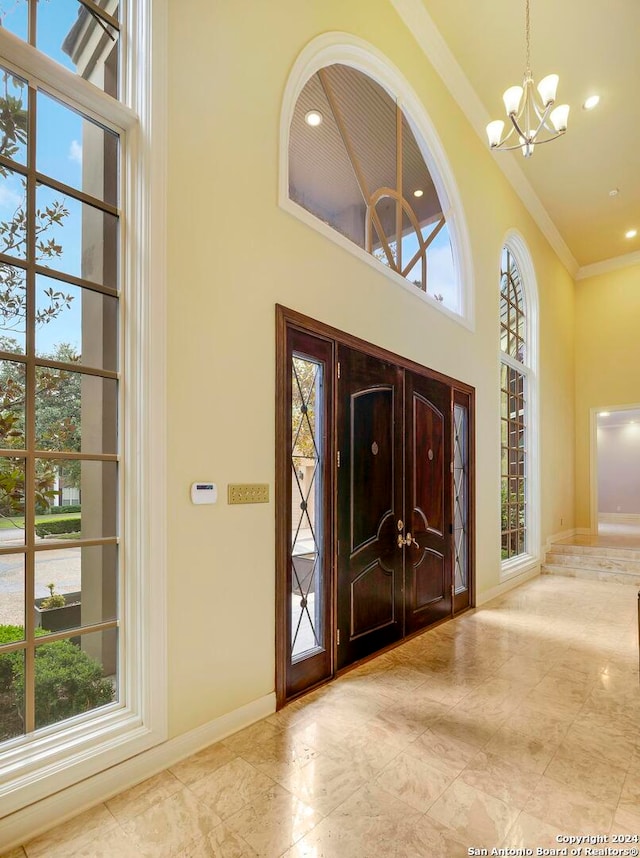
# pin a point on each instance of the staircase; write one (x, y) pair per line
(596, 562)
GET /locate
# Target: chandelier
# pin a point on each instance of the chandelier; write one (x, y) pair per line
(531, 114)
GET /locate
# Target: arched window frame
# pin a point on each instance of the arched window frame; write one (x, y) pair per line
(517, 247)
(349, 50)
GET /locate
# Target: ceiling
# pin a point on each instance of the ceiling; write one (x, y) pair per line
(593, 46)
(618, 417)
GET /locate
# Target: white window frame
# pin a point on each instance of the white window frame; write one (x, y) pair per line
(34, 768)
(517, 247)
(349, 50)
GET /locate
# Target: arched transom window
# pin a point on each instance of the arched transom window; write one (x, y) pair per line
(514, 375)
(355, 163)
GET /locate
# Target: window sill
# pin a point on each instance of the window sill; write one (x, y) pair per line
(517, 566)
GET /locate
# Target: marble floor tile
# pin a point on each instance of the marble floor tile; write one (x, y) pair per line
(528, 832)
(476, 816)
(72, 835)
(630, 796)
(514, 723)
(274, 822)
(577, 769)
(502, 779)
(522, 750)
(133, 801)
(567, 808)
(231, 787)
(325, 782)
(221, 842)
(449, 754)
(204, 762)
(170, 825)
(414, 781)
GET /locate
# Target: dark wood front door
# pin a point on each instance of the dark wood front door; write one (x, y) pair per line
(370, 503)
(428, 501)
(375, 500)
(394, 504)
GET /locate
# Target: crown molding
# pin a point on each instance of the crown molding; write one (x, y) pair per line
(607, 265)
(423, 29)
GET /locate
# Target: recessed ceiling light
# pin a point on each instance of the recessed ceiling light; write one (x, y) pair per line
(313, 118)
(418, 192)
(614, 192)
(604, 414)
(631, 233)
(591, 102)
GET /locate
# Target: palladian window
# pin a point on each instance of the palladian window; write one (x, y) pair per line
(356, 163)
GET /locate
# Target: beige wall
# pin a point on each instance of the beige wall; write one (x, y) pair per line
(234, 254)
(607, 360)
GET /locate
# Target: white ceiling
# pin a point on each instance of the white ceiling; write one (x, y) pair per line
(594, 46)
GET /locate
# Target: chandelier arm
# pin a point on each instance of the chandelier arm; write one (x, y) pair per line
(516, 127)
(549, 139)
(543, 121)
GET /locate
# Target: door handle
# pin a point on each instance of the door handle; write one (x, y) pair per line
(408, 541)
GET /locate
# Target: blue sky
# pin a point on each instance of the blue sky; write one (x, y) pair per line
(58, 154)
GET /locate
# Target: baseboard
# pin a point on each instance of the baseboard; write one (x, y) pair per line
(511, 584)
(557, 537)
(31, 821)
(619, 517)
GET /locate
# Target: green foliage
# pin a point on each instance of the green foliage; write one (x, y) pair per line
(58, 418)
(53, 600)
(68, 682)
(65, 525)
(64, 510)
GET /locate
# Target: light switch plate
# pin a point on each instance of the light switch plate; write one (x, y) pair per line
(248, 493)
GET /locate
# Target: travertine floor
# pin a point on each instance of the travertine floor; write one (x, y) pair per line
(510, 726)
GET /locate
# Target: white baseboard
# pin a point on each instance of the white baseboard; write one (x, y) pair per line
(511, 584)
(31, 821)
(619, 517)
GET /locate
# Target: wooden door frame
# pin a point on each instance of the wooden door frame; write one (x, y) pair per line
(292, 319)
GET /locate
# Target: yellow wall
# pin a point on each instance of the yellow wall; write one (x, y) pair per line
(234, 254)
(607, 360)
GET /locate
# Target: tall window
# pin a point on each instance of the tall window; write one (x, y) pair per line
(514, 412)
(356, 164)
(60, 224)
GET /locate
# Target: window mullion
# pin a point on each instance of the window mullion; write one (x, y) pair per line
(30, 433)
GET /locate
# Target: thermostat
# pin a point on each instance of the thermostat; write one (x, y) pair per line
(204, 492)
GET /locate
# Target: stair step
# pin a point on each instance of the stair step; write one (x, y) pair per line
(599, 561)
(612, 576)
(599, 550)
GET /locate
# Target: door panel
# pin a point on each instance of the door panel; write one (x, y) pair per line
(369, 504)
(428, 564)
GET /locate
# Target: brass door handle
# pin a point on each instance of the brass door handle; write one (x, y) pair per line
(408, 541)
(411, 541)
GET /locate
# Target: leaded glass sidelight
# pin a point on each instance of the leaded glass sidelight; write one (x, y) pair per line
(460, 496)
(307, 457)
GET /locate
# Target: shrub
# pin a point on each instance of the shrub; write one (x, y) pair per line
(67, 680)
(9, 662)
(67, 525)
(53, 600)
(64, 510)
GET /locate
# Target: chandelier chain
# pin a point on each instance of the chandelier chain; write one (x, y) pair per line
(528, 39)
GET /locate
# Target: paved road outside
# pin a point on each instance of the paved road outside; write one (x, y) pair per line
(58, 566)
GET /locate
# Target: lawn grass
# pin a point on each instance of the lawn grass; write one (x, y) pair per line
(18, 521)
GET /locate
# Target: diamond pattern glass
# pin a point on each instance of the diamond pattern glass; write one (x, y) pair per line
(306, 493)
(460, 499)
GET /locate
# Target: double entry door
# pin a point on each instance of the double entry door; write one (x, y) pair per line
(394, 504)
(373, 501)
